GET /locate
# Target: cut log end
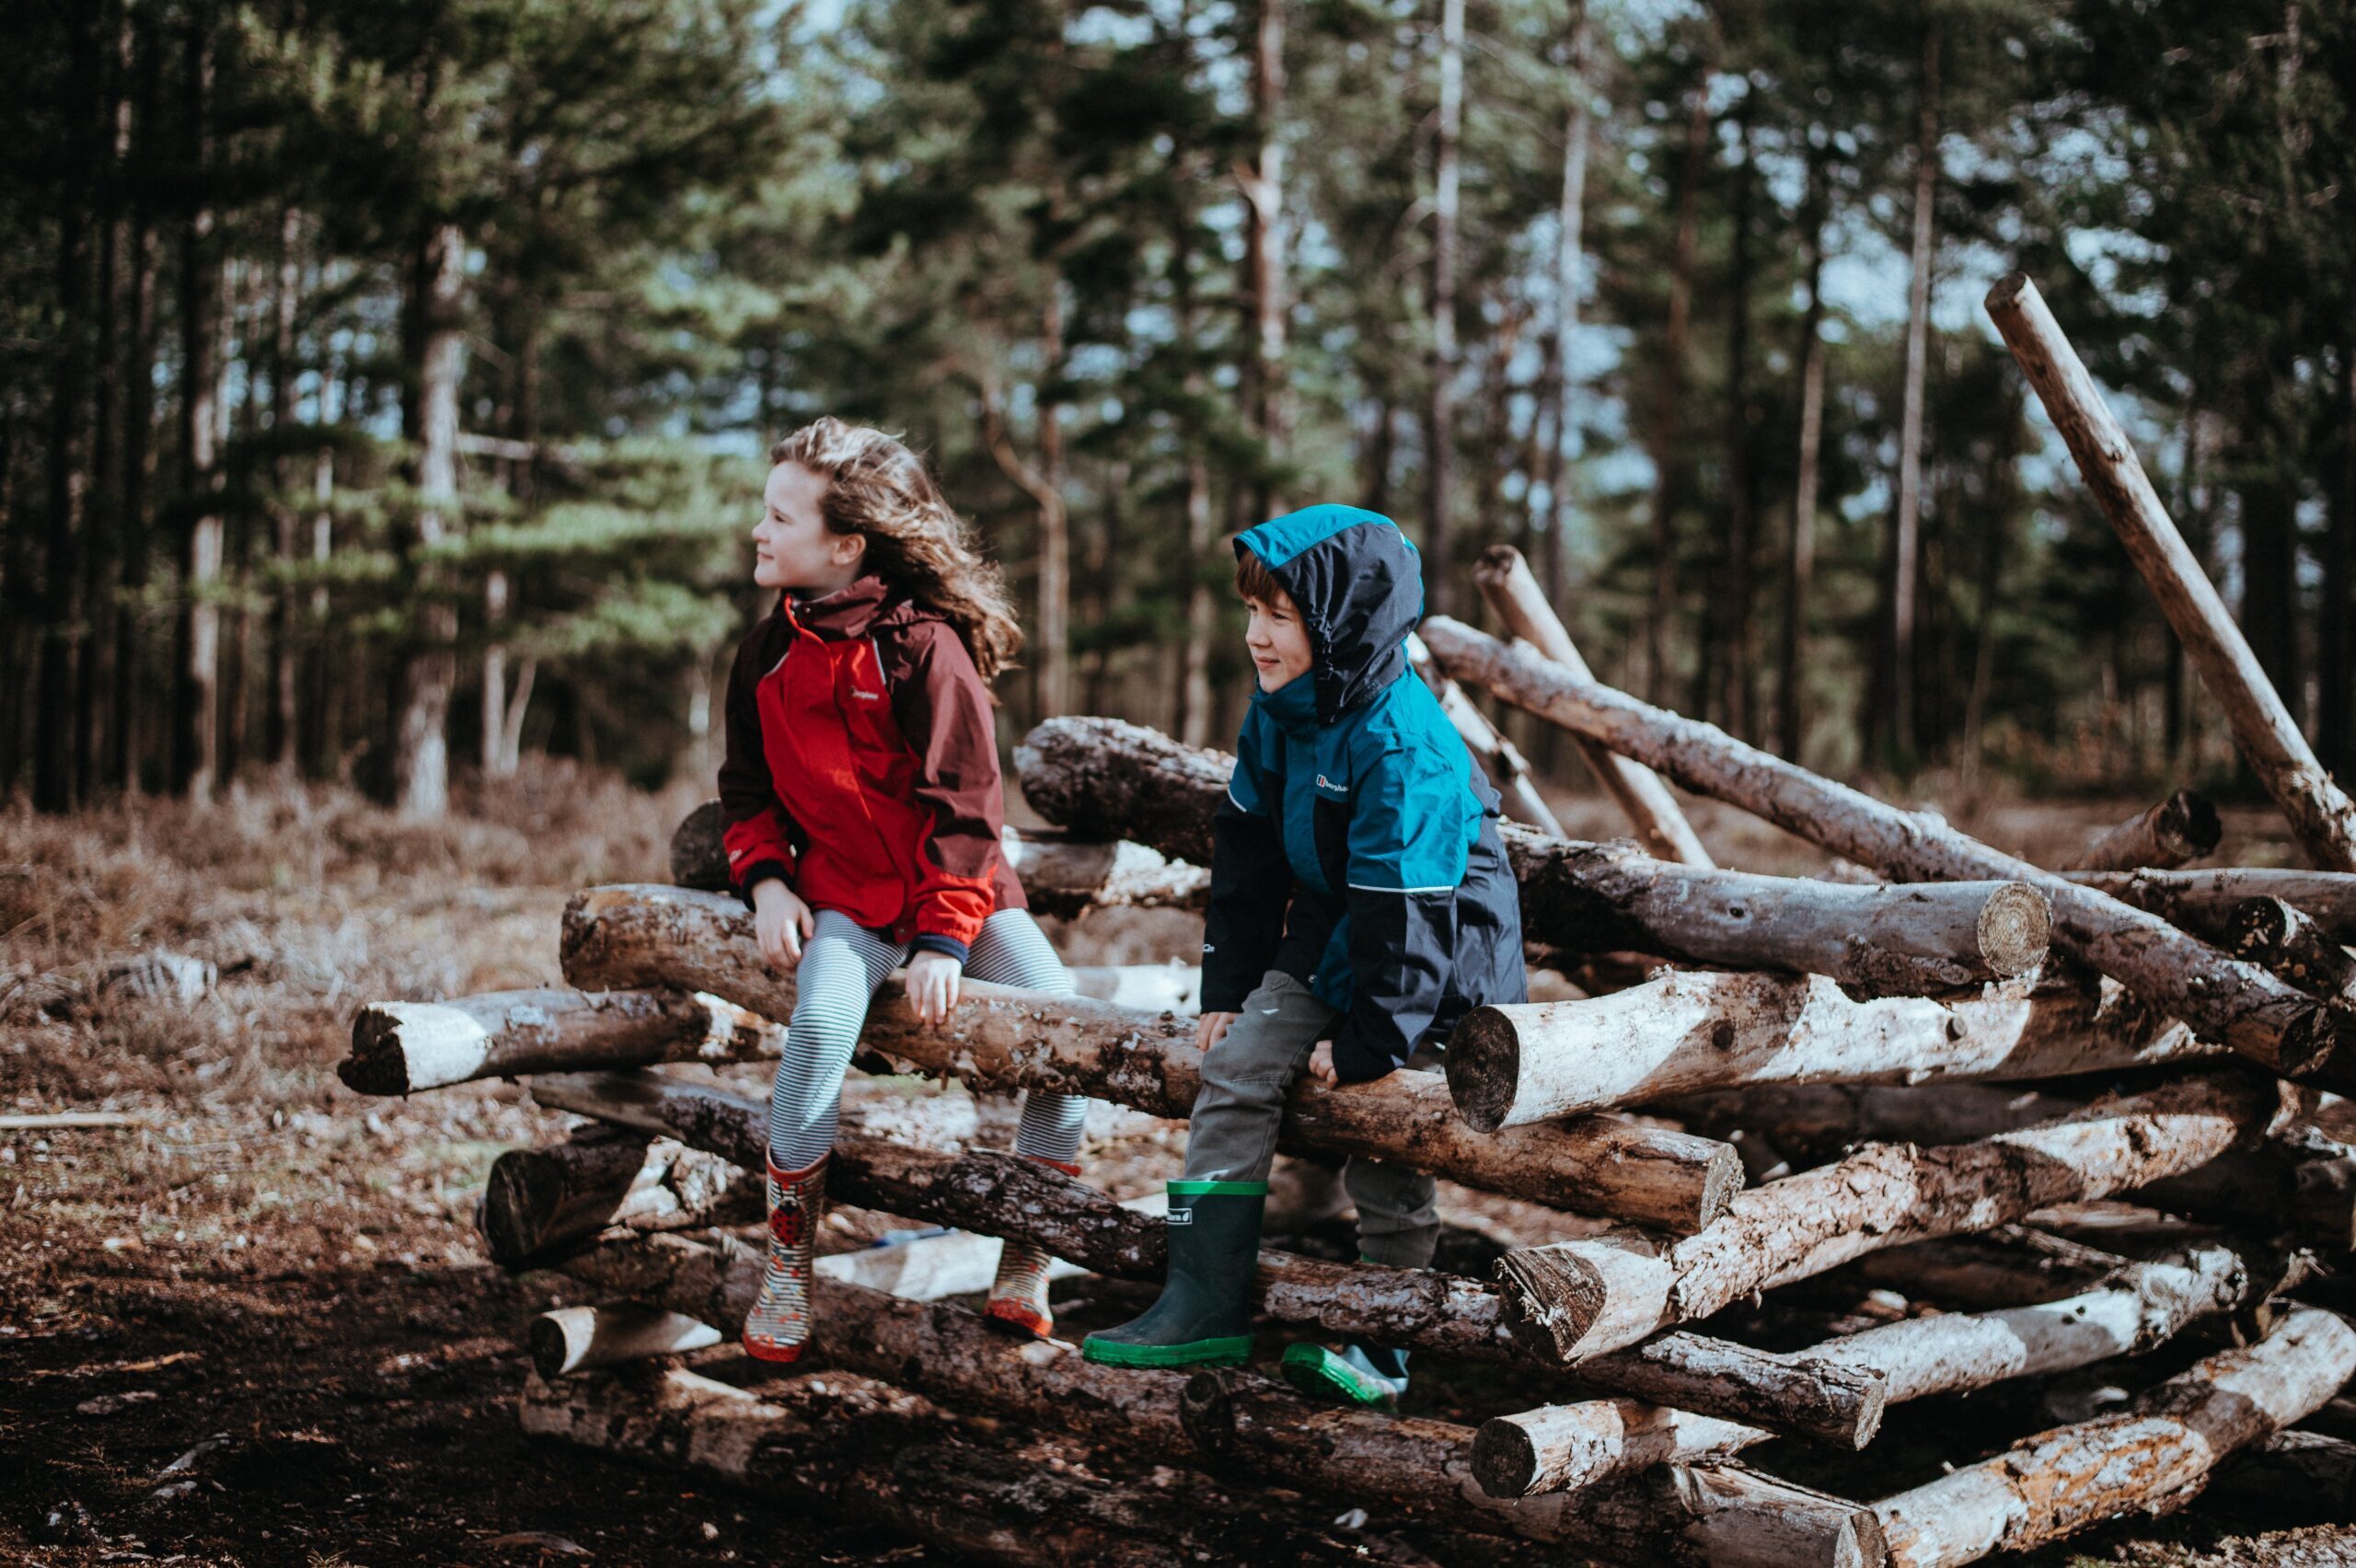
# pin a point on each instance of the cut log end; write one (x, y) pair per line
(377, 1064)
(1505, 1458)
(2311, 1039)
(2006, 294)
(2015, 929)
(1483, 1068)
(2190, 826)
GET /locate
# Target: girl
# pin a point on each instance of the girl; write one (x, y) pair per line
(863, 811)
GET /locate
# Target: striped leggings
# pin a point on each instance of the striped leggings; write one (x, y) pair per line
(841, 965)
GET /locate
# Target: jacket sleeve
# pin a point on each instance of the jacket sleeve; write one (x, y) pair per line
(757, 832)
(1251, 883)
(1406, 861)
(943, 711)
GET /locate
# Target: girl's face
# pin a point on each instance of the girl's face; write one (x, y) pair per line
(1279, 643)
(793, 547)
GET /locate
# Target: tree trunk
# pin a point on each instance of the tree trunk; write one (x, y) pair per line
(2321, 815)
(1800, 559)
(421, 746)
(1909, 441)
(1002, 1040)
(69, 432)
(1598, 1294)
(1570, 238)
(537, 1200)
(285, 683)
(2181, 828)
(102, 543)
(1263, 255)
(1439, 413)
(125, 748)
(1736, 664)
(2154, 1455)
(2232, 1003)
(1668, 424)
(1505, 581)
(1196, 595)
(2335, 645)
(403, 1048)
(198, 736)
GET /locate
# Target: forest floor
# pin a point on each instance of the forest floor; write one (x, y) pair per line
(254, 1326)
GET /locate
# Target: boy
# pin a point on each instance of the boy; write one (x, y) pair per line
(1361, 904)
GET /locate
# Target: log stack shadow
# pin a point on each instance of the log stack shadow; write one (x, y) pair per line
(2101, 1162)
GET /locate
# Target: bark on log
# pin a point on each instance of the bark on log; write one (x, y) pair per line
(538, 1200)
(576, 1339)
(1504, 580)
(2321, 816)
(1599, 1293)
(2154, 1455)
(1061, 876)
(2283, 941)
(1587, 898)
(1507, 768)
(402, 1047)
(1686, 1033)
(1003, 1038)
(2179, 830)
(2204, 902)
(2232, 1003)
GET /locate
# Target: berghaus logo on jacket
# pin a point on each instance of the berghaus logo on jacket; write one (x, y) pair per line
(1325, 783)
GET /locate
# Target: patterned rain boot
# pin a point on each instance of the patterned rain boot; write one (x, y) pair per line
(779, 1325)
(1018, 1302)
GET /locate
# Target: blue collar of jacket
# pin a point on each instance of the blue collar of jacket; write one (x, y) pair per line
(1358, 585)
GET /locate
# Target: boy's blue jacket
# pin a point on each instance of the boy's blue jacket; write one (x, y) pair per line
(1358, 848)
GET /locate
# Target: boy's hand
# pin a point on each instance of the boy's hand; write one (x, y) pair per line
(781, 923)
(933, 987)
(1210, 1029)
(1321, 1063)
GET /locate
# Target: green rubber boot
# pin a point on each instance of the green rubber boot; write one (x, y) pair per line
(1358, 1374)
(1204, 1317)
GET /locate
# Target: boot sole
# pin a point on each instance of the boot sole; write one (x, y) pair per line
(1316, 1373)
(1231, 1351)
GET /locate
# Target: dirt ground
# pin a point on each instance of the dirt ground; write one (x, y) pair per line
(253, 1325)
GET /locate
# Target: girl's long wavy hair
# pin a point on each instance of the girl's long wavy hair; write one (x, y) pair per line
(877, 489)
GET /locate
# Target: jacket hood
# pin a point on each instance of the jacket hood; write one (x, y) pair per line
(860, 606)
(1359, 587)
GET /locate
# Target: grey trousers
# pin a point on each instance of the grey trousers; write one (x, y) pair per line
(1232, 1136)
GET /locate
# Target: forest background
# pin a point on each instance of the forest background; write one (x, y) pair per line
(382, 385)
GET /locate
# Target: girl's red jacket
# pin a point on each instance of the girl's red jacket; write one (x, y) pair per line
(862, 767)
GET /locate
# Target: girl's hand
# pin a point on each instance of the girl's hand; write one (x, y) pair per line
(781, 923)
(933, 987)
(1321, 1062)
(1210, 1029)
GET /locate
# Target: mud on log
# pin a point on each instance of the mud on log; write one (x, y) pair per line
(2153, 1457)
(2180, 829)
(2202, 902)
(402, 1047)
(1602, 1292)
(1003, 1038)
(1687, 1034)
(2236, 1004)
(1589, 898)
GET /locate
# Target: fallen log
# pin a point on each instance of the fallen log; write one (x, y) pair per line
(2235, 1004)
(2321, 816)
(1503, 761)
(402, 1047)
(2290, 946)
(2204, 902)
(1589, 898)
(2179, 830)
(1599, 1293)
(1002, 1039)
(576, 1339)
(1060, 875)
(2010, 1266)
(538, 1200)
(1705, 1517)
(1685, 1033)
(2154, 1455)
(1504, 580)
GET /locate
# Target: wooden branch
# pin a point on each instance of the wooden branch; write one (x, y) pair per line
(1507, 768)
(2180, 829)
(538, 1200)
(2204, 902)
(1686, 1033)
(1060, 876)
(1604, 1291)
(576, 1339)
(2281, 939)
(1002, 1039)
(402, 1047)
(2321, 816)
(1504, 580)
(2232, 1003)
(2151, 1457)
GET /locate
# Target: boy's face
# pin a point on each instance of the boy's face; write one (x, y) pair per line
(1279, 643)
(792, 547)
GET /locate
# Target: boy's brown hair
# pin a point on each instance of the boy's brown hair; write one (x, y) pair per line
(1255, 580)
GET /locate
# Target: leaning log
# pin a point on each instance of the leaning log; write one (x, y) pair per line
(2178, 831)
(2289, 945)
(2236, 1004)
(2321, 815)
(1003, 1038)
(1688, 1033)
(1504, 580)
(1060, 875)
(402, 1047)
(2153, 1457)
(2202, 902)
(1589, 898)
(538, 1200)
(1601, 1292)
